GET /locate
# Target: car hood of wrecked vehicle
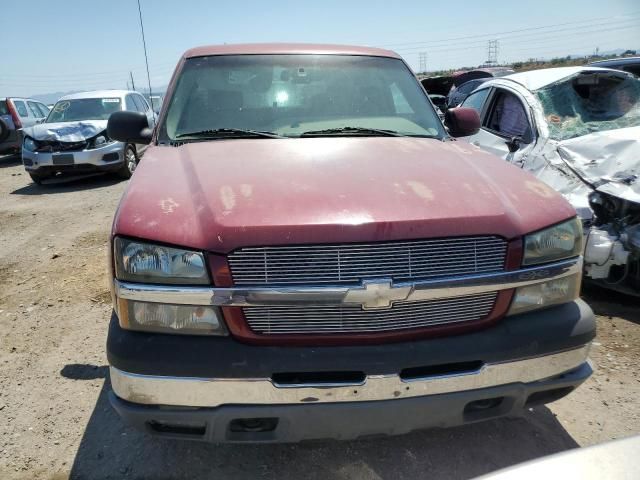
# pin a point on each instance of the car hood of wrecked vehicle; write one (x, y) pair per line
(78, 131)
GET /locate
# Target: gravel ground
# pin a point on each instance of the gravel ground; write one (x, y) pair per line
(56, 422)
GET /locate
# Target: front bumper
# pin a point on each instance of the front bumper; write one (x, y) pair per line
(345, 420)
(108, 157)
(166, 382)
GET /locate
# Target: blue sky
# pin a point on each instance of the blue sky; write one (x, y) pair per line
(82, 45)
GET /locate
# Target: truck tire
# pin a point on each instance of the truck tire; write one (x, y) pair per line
(38, 178)
(4, 130)
(130, 162)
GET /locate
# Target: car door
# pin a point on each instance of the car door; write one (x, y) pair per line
(144, 107)
(507, 127)
(26, 119)
(43, 109)
(34, 109)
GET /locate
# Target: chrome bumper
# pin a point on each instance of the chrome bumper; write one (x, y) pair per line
(213, 392)
(378, 294)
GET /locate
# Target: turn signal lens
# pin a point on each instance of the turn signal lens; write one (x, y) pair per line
(176, 319)
(546, 294)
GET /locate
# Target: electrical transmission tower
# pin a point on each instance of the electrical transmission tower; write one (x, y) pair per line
(492, 52)
(423, 62)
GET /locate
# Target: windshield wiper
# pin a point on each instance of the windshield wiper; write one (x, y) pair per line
(351, 130)
(228, 133)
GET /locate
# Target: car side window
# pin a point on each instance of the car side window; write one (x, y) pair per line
(142, 103)
(43, 109)
(508, 116)
(467, 87)
(35, 111)
(21, 108)
(476, 100)
(139, 104)
(130, 104)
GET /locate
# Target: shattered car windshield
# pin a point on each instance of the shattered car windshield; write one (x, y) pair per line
(291, 95)
(593, 102)
(83, 109)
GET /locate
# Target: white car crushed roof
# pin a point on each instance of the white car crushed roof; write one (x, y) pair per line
(578, 130)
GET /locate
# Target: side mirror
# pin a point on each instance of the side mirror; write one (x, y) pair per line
(129, 127)
(462, 121)
(514, 144)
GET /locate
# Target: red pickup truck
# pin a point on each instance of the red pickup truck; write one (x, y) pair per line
(305, 251)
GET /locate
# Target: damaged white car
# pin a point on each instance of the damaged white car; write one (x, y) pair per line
(73, 138)
(578, 130)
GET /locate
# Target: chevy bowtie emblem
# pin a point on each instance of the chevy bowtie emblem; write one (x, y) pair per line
(377, 294)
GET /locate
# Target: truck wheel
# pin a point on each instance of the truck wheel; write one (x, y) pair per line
(130, 162)
(4, 130)
(38, 178)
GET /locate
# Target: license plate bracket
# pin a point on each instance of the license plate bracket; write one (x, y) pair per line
(63, 159)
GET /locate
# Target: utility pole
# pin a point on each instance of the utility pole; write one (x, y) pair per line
(492, 53)
(423, 62)
(133, 84)
(146, 59)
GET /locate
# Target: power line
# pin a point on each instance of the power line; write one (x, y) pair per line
(443, 40)
(146, 60)
(423, 61)
(528, 42)
(492, 52)
(527, 38)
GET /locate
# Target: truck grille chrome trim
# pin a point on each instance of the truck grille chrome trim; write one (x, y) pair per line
(352, 263)
(213, 392)
(325, 319)
(372, 294)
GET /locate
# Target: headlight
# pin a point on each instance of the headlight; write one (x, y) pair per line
(554, 243)
(163, 318)
(100, 141)
(546, 294)
(148, 263)
(30, 144)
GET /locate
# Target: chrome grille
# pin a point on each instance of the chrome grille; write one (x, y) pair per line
(325, 319)
(352, 263)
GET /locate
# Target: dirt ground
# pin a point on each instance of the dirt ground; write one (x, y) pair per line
(56, 422)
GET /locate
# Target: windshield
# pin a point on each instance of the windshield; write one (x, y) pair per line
(83, 109)
(290, 95)
(592, 102)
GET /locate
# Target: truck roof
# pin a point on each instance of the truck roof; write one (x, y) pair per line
(287, 48)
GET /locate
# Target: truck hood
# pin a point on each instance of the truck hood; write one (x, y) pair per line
(225, 194)
(609, 161)
(66, 131)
